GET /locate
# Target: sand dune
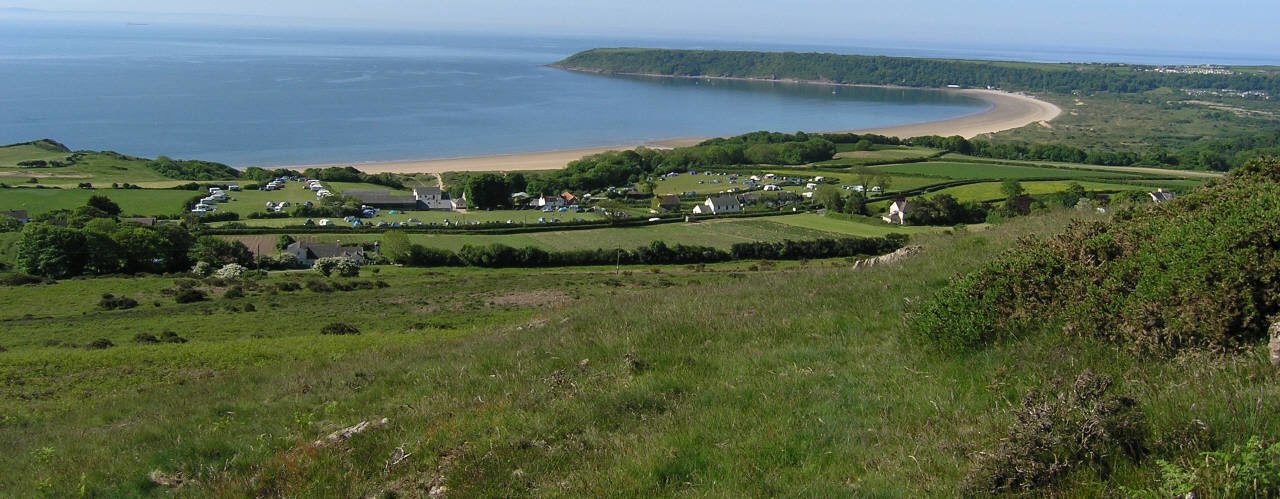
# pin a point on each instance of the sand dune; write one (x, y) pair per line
(1007, 111)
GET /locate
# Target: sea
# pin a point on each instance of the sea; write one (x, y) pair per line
(294, 96)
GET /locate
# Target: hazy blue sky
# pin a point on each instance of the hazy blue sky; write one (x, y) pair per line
(1217, 26)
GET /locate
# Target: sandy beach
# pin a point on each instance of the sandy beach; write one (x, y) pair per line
(1007, 111)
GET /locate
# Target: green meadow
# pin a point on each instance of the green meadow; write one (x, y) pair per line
(143, 202)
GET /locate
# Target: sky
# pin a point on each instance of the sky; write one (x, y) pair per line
(1205, 26)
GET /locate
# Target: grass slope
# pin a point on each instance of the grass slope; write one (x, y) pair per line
(725, 383)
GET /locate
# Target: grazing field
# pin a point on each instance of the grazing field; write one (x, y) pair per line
(956, 170)
(10, 156)
(97, 168)
(721, 233)
(880, 154)
(852, 225)
(991, 191)
(143, 202)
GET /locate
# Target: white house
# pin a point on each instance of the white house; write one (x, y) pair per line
(717, 205)
(432, 198)
(1161, 196)
(897, 213)
(548, 202)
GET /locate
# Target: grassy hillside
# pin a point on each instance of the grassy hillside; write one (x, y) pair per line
(743, 379)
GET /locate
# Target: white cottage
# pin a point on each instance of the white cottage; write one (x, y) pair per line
(897, 213)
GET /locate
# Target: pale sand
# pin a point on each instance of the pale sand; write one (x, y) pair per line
(1007, 111)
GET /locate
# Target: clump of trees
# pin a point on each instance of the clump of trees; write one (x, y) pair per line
(944, 209)
(192, 169)
(88, 240)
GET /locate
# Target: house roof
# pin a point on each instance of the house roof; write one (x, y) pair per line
(375, 197)
(427, 191)
(21, 215)
(669, 200)
(1162, 195)
(322, 250)
(723, 200)
(140, 220)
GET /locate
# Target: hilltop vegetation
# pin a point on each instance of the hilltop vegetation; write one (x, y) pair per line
(1138, 280)
(910, 71)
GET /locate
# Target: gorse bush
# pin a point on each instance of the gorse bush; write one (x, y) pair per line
(339, 328)
(112, 302)
(1056, 432)
(1197, 272)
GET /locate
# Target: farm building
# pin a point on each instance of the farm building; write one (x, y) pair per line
(308, 253)
(432, 198)
(897, 213)
(668, 203)
(1161, 196)
(717, 205)
(384, 199)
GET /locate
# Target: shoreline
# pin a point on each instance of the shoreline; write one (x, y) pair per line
(1007, 111)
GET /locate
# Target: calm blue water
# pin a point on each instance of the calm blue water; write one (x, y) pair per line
(271, 97)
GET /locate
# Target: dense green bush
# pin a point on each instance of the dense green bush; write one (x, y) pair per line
(189, 295)
(1199, 271)
(112, 302)
(339, 328)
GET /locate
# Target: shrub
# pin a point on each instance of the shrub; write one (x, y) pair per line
(230, 271)
(288, 286)
(202, 269)
(340, 266)
(1069, 428)
(24, 280)
(189, 295)
(145, 338)
(339, 328)
(100, 344)
(171, 337)
(318, 286)
(111, 302)
(234, 292)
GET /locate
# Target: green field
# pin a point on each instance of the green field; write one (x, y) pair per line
(958, 171)
(10, 156)
(719, 233)
(846, 156)
(143, 202)
(991, 191)
(97, 168)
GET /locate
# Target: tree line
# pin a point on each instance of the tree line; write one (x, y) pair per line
(396, 249)
(910, 71)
